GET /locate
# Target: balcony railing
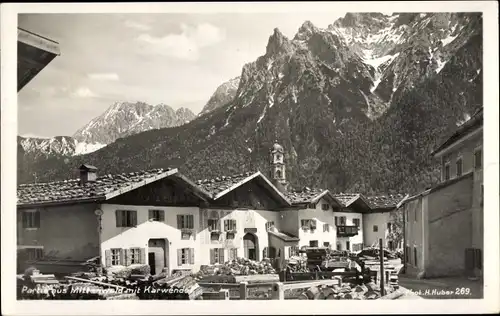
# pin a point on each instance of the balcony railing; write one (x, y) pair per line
(347, 231)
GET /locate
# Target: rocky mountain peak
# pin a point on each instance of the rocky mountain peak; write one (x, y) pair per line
(278, 43)
(305, 31)
(222, 95)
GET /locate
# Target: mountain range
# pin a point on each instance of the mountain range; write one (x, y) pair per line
(358, 106)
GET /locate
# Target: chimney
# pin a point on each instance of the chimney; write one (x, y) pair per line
(88, 173)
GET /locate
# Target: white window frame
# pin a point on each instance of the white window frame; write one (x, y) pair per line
(326, 227)
(135, 255)
(156, 212)
(269, 225)
(354, 222)
(25, 247)
(185, 253)
(325, 208)
(116, 252)
(32, 222)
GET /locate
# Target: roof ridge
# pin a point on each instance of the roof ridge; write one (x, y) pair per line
(155, 170)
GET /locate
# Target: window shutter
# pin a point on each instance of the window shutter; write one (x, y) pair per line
(226, 225)
(191, 255)
(118, 216)
(107, 258)
(133, 218)
(265, 252)
(142, 255)
(212, 256)
(162, 216)
(235, 253)
(234, 224)
(151, 214)
(122, 257)
(128, 257)
(179, 257)
(191, 221)
(221, 255)
(37, 219)
(179, 221)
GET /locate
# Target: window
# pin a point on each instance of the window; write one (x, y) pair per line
(459, 167)
(230, 225)
(269, 225)
(213, 225)
(356, 222)
(447, 171)
(233, 253)
(313, 243)
(34, 253)
(325, 207)
(185, 256)
(311, 206)
(216, 255)
(305, 224)
(293, 251)
(478, 158)
(375, 228)
(326, 228)
(116, 255)
(185, 221)
(340, 220)
(326, 244)
(157, 215)
(126, 218)
(135, 255)
(389, 227)
(31, 219)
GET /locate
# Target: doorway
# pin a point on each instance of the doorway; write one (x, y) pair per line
(250, 245)
(158, 255)
(348, 245)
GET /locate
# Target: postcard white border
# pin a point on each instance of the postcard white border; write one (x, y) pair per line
(490, 303)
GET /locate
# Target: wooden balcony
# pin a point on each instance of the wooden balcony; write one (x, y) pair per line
(347, 231)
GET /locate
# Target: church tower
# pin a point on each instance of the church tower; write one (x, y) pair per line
(278, 170)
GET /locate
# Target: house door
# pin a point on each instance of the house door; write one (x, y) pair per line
(250, 246)
(348, 245)
(152, 262)
(157, 255)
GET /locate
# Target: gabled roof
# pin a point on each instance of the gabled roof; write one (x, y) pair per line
(385, 201)
(34, 52)
(283, 236)
(348, 199)
(104, 188)
(308, 195)
(221, 186)
(472, 125)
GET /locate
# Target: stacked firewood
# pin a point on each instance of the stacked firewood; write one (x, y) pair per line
(240, 266)
(345, 291)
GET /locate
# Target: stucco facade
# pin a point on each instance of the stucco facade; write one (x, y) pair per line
(114, 237)
(324, 220)
(375, 227)
(353, 242)
(68, 232)
(252, 222)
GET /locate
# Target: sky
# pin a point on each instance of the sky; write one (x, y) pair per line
(176, 59)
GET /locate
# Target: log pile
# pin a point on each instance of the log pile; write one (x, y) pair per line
(240, 266)
(88, 286)
(346, 291)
